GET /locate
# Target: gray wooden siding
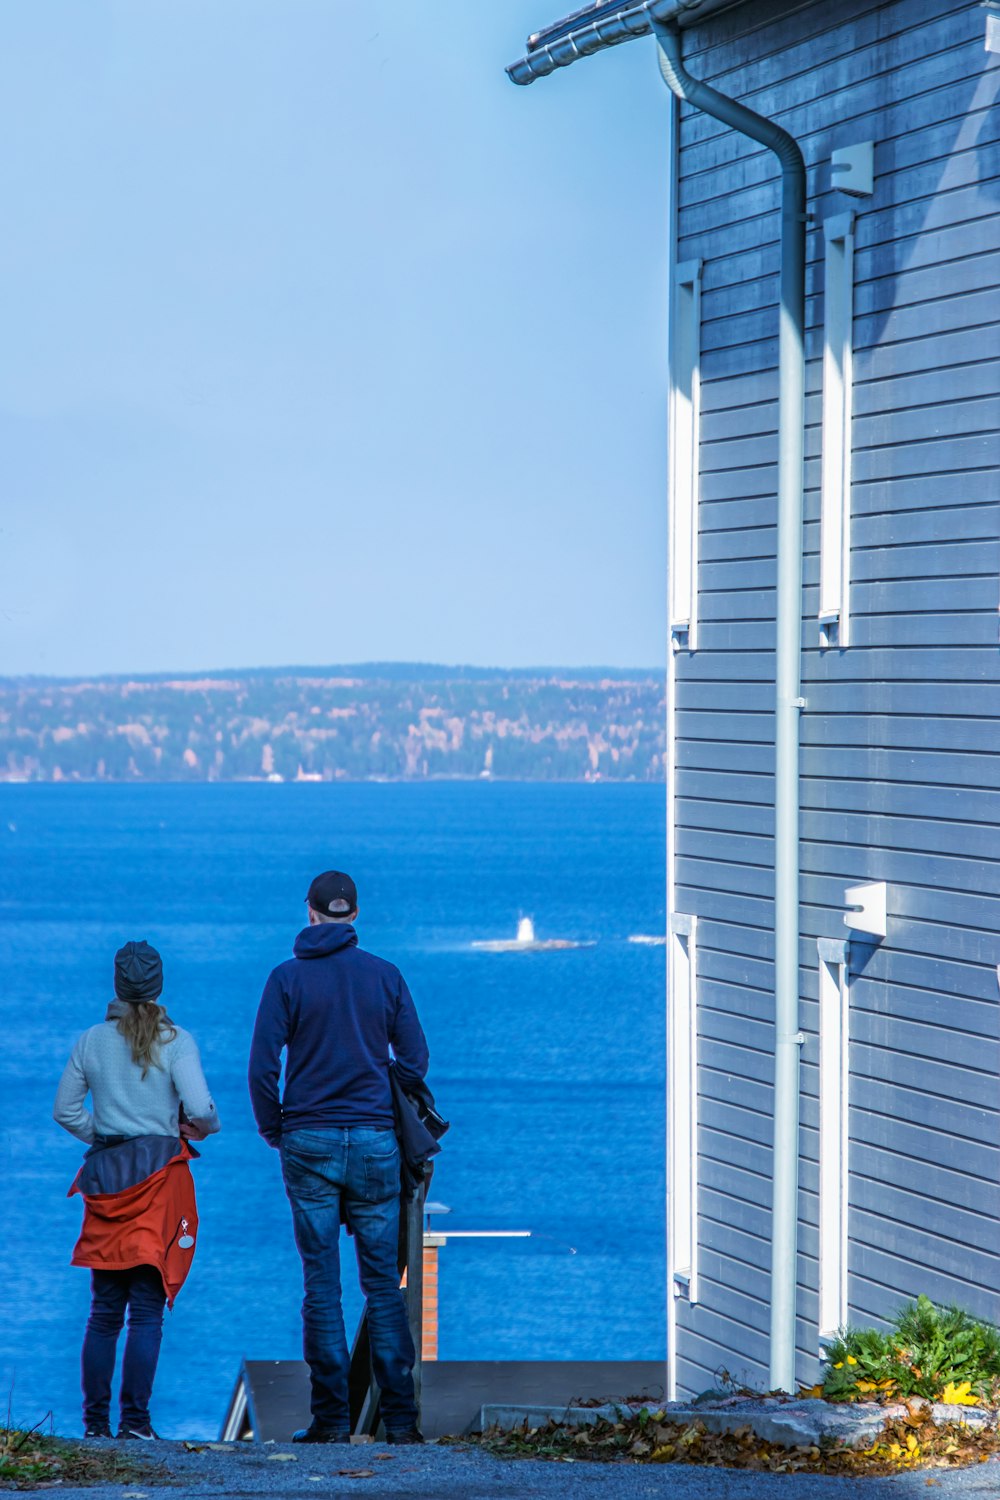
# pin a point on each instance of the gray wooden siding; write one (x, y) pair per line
(901, 738)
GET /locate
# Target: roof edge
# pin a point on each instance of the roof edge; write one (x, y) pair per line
(596, 28)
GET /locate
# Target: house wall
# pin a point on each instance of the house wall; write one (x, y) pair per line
(901, 733)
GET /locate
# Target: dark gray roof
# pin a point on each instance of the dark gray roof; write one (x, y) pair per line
(601, 25)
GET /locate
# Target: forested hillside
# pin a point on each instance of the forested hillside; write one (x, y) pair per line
(342, 723)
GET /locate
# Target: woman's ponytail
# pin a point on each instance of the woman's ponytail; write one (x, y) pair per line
(146, 1026)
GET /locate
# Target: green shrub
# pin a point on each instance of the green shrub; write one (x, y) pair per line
(940, 1353)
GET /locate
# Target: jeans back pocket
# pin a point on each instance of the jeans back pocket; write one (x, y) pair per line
(382, 1173)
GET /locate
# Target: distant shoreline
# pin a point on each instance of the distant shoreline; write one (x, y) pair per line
(377, 671)
(383, 722)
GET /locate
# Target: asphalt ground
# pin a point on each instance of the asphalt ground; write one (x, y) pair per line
(447, 1473)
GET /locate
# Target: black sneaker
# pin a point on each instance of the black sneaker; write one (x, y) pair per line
(408, 1435)
(317, 1434)
(141, 1430)
(98, 1430)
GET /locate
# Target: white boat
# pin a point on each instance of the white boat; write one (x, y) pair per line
(526, 941)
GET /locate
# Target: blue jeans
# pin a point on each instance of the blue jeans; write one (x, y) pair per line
(141, 1291)
(359, 1164)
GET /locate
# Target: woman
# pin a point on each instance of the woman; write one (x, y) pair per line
(140, 1223)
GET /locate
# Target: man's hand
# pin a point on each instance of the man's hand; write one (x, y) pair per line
(189, 1131)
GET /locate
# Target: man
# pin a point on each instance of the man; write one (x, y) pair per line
(338, 1010)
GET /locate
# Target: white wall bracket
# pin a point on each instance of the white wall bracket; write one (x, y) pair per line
(992, 27)
(852, 169)
(867, 908)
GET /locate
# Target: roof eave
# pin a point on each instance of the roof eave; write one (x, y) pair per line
(584, 33)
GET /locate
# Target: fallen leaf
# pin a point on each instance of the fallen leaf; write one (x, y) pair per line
(383, 1458)
(916, 1412)
(958, 1395)
(283, 1458)
(356, 1473)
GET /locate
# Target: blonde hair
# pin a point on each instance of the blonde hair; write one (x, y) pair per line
(145, 1027)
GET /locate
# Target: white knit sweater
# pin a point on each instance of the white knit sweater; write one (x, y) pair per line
(125, 1103)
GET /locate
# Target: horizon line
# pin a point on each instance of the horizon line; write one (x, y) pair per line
(413, 669)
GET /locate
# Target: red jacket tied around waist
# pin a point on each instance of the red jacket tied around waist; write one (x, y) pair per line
(139, 1209)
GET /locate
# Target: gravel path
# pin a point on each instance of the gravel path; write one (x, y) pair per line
(433, 1473)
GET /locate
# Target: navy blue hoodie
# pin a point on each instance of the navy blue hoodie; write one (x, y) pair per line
(338, 1010)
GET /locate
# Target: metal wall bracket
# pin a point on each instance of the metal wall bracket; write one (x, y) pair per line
(867, 908)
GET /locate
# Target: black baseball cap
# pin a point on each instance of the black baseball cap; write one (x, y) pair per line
(333, 894)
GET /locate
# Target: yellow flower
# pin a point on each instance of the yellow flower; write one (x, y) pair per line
(851, 1360)
(840, 1366)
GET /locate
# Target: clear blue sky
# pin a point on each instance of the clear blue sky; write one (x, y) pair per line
(322, 342)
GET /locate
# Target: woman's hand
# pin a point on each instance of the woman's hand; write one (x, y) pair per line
(189, 1131)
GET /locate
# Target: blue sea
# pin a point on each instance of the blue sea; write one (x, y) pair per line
(550, 1065)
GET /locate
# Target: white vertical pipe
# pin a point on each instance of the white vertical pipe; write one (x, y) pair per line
(671, 771)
